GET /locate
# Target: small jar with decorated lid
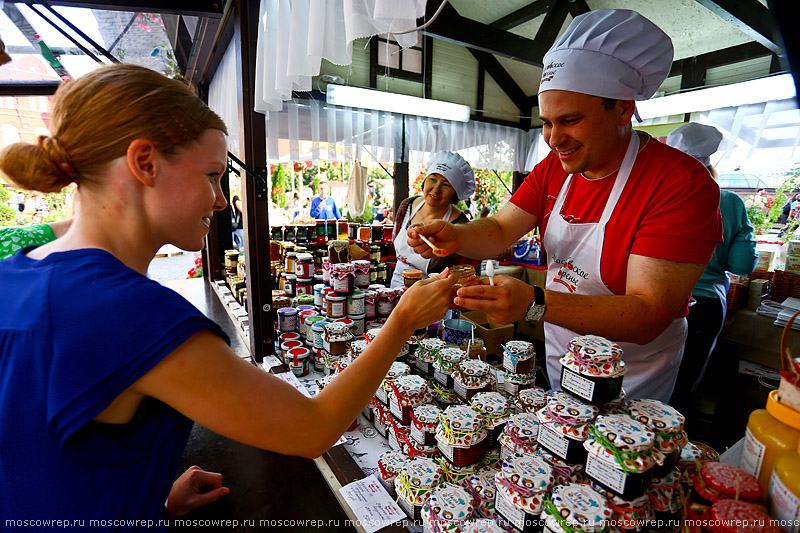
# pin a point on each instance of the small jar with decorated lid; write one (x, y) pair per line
(412, 485)
(513, 384)
(592, 369)
(335, 338)
(461, 435)
(563, 473)
(424, 419)
(519, 357)
(621, 455)
(428, 353)
(406, 393)
(693, 456)
(564, 426)
(496, 410)
(446, 508)
(664, 494)
(519, 435)
(629, 516)
(575, 508)
(530, 400)
(667, 423)
(523, 483)
(445, 363)
(397, 370)
(482, 487)
(472, 376)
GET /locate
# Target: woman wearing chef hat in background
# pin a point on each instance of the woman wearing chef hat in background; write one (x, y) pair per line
(737, 254)
(448, 180)
(625, 220)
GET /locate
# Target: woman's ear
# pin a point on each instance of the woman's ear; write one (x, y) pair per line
(143, 161)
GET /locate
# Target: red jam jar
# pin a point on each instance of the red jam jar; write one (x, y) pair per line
(495, 409)
(424, 419)
(472, 376)
(406, 393)
(461, 435)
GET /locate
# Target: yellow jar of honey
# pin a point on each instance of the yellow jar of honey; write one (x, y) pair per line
(411, 276)
(770, 432)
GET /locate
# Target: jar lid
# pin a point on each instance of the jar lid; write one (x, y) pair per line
(289, 336)
(730, 516)
(289, 275)
(411, 385)
(482, 483)
(333, 298)
(357, 295)
(372, 333)
(782, 411)
(695, 452)
(319, 325)
(299, 353)
(729, 481)
(521, 379)
(527, 471)
(595, 348)
(452, 355)
(318, 287)
(625, 433)
(313, 319)
(358, 346)
(474, 367)
(580, 506)
(526, 425)
(667, 481)
(348, 321)
(482, 525)
(291, 343)
(291, 253)
(564, 405)
(337, 331)
(656, 415)
(343, 267)
(287, 311)
(432, 344)
(423, 473)
(376, 286)
(338, 245)
(493, 404)
(396, 370)
(427, 413)
(412, 274)
(522, 350)
(462, 418)
(533, 397)
(594, 367)
(450, 503)
(305, 257)
(392, 462)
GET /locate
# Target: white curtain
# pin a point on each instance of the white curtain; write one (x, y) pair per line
(295, 35)
(222, 95)
(307, 130)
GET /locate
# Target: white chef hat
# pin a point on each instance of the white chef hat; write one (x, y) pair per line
(697, 140)
(457, 171)
(611, 53)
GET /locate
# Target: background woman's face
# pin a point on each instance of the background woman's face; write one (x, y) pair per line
(437, 191)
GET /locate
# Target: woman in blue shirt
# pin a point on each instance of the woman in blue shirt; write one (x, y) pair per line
(101, 369)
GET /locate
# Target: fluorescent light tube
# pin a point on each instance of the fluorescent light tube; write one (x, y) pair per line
(767, 89)
(396, 103)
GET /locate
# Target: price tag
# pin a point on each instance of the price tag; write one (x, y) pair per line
(371, 504)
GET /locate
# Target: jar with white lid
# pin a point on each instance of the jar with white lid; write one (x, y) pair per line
(304, 266)
(446, 508)
(522, 485)
(482, 487)
(445, 363)
(496, 410)
(298, 361)
(461, 435)
(317, 289)
(472, 376)
(424, 419)
(564, 426)
(342, 279)
(417, 478)
(519, 435)
(575, 508)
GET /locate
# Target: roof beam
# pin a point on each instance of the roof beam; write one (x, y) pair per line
(726, 56)
(552, 23)
(450, 26)
(199, 8)
(502, 77)
(749, 16)
(578, 7)
(522, 15)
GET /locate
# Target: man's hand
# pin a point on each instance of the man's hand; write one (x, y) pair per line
(505, 302)
(439, 232)
(193, 489)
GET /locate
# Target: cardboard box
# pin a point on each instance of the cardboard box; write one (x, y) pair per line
(493, 335)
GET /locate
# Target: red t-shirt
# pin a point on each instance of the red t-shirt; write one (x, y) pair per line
(668, 210)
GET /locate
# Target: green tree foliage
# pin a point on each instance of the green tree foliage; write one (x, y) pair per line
(8, 216)
(277, 194)
(489, 189)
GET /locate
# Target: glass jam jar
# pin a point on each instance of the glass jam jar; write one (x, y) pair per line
(472, 376)
(667, 423)
(339, 251)
(519, 435)
(466, 277)
(522, 485)
(410, 277)
(417, 478)
(361, 271)
(343, 278)
(424, 419)
(564, 426)
(593, 369)
(389, 466)
(406, 393)
(519, 357)
(446, 508)
(461, 435)
(495, 409)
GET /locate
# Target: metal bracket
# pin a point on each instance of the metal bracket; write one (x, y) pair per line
(261, 183)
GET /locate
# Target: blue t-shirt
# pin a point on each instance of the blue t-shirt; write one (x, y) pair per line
(77, 328)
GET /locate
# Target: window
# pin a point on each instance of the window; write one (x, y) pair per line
(406, 64)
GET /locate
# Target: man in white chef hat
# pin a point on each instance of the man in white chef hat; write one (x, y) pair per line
(628, 222)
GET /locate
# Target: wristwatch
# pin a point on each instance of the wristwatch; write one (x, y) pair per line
(538, 307)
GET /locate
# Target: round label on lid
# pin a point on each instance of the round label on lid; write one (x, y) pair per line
(581, 507)
(595, 347)
(490, 403)
(392, 461)
(528, 471)
(656, 415)
(483, 483)
(564, 405)
(526, 424)
(463, 418)
(452, 355)
(450, 502)
(423, 473)
(474, 367)
(411, 385)
(396, 370)
(427, 413)
(625, 433)
(533, 397)
(522, 350)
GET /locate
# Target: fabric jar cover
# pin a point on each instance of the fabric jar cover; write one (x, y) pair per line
(524, 480)
(474, 368)
(350, 323)
(429, 349)
(446, 506)
(370, 299)
(461, 426)
(664, 494)
(627, 513)
(361, 273)
(515, 354)
(578, 506)
(371, 333)
(592, 355)
(415, 480)
(520, 379)
(397, 370)
(448, 358)
(664, 420)
(626, 440)
(337, 332)
(410, 391)
(530, 399)
(481, 485)
(357, 347)
(493, 406)
(340, 272)
(390, 464)
(562, 406)
(414, 449)
(563, 472)
(426, 416)
(594, 368)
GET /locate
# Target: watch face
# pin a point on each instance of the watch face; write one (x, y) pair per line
(535, 313)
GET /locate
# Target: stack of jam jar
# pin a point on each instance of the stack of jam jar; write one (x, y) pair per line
(519, 363)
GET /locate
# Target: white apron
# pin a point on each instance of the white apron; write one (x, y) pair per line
(573, 254)
(407, 258)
